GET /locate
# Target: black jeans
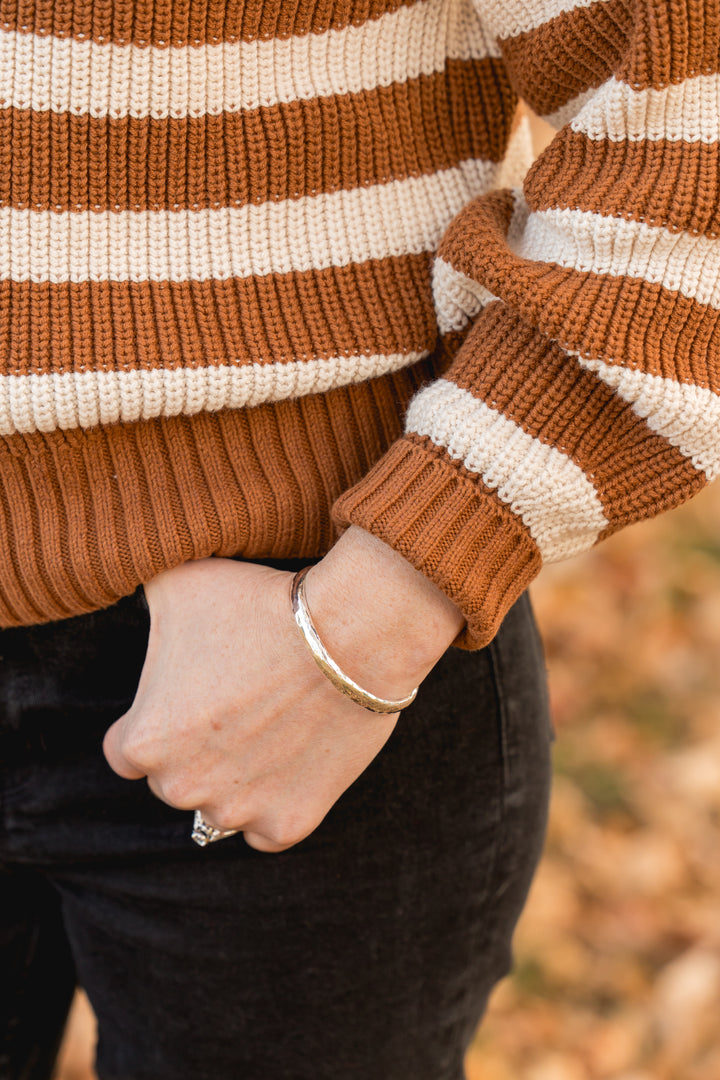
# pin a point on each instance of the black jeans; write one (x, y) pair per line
(364, 953)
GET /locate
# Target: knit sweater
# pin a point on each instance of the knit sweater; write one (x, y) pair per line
(266, 270)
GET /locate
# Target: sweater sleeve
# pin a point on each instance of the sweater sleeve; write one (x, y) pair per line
(585, 392)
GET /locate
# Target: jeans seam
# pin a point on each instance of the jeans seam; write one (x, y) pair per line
(501, 712)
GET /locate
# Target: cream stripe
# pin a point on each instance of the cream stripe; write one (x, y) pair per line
(592, 243)
(510, 17)
(86, 399)
(67, 75)
(311, 233)
(687, 416)
(689, 110)
(550, 492)
(459, 298)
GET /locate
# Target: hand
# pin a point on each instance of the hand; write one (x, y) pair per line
(232, 715)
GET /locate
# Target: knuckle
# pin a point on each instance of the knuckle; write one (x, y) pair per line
(225, 818)
(261, 843)
(178, 792)
(283, 839)
(287, 831)
(139, 748)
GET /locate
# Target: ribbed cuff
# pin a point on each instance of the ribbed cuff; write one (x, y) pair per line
(450, 527)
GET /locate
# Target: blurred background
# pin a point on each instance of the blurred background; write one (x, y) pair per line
(618, 952)
(617, 973)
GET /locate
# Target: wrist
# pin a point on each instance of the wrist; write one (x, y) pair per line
(382, 621)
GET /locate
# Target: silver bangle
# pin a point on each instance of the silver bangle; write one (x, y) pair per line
(325, 662)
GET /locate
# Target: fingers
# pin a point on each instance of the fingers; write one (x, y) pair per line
(176, 793)
(270, 836)
(269, 832)
(281, 829)
(264, 831)
(265, 844)
(115, 754)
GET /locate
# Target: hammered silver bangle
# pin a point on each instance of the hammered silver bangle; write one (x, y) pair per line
(325, 662)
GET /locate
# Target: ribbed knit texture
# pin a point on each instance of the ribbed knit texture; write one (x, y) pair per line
(214, 217)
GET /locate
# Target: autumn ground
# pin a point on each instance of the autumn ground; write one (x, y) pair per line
(618, 952)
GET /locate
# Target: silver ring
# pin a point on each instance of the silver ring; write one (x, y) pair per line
(203, 833)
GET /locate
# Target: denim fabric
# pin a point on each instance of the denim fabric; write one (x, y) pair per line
(364, 953)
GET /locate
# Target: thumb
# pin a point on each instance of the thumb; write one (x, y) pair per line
(112, 748)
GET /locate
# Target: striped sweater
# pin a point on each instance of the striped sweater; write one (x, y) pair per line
(266, 269)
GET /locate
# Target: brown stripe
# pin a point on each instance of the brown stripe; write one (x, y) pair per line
(620, 319)
(382, 306)
(660, 182)
(189, 22)
(626, 320)
(533, 382)
(672, 41)
(565, 56)
(59, 161)
(646, 44)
